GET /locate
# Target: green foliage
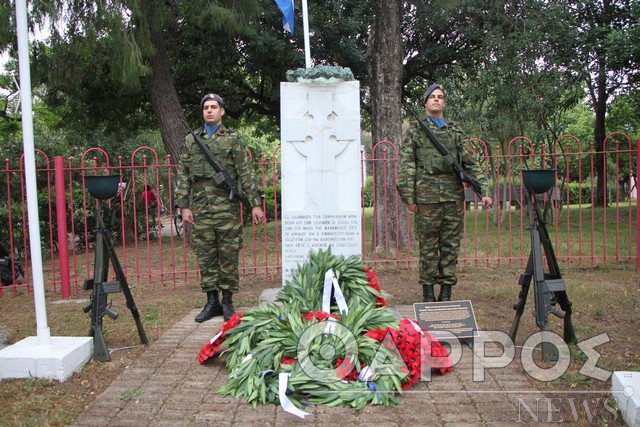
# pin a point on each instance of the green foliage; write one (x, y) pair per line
(86, 90)
(304, 292)
(510, 68)
(272, 203)
(7, 30)
(52, 138)
(512, 93)
(580, 124)
(368, 192)
(624, 115)
(579, 193)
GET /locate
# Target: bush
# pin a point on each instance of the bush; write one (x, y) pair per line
(271, 202)
(574, 193)
(368, 192)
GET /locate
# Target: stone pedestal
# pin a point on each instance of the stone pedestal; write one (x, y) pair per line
(57, 360)
(321, 170)
(625, 388)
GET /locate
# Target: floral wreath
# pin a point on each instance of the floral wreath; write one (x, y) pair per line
(352, 356)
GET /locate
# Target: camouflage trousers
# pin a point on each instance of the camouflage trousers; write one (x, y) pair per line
(439, 230)
(217, 239)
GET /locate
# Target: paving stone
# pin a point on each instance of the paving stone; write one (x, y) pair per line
(460, 416)
(176, 390)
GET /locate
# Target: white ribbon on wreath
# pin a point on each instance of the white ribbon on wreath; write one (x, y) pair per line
(331, 282)
(283, 381)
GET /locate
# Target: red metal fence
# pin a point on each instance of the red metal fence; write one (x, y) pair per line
(151, 250)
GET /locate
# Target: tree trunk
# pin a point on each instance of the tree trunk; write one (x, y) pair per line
(385, 56)
(599, 131)
(162, 91)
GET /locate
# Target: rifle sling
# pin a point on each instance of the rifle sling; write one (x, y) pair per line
(207, 151)
(462, 174)
(219, 168)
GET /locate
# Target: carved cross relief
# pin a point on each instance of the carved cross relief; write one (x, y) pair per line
(320, 136)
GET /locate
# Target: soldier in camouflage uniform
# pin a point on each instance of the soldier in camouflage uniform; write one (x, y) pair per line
(217, 231)
(431, 189)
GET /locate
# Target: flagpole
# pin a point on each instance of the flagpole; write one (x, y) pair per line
(43, 332)
(305, 25)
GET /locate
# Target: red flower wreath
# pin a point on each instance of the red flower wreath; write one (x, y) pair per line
(213, 346)
(234, 321)
(434, 355)
(417, 348)
(373, 282)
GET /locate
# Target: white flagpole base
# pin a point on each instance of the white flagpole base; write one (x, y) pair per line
(56, 361)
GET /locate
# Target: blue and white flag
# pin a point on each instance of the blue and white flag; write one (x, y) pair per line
(286, 6)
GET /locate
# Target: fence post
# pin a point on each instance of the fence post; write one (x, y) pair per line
(61, 214)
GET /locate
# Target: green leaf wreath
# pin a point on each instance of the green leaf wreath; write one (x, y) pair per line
(331, 358)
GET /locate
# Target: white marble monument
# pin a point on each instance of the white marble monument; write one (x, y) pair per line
(321, 170)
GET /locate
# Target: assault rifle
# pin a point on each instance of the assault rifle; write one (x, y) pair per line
(462, 174)
(549, 287)
(222, 176)
(103, 188)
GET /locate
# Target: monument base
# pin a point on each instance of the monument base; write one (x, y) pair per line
(57, 361)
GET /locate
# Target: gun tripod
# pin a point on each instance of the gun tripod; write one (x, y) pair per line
(99, 284)
(549, 287)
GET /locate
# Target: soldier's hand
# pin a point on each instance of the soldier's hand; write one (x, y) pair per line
(412, 208)
(187, 215)
(257, 215)
(487, 202)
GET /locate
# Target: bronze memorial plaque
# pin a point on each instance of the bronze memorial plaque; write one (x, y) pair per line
(455, 317)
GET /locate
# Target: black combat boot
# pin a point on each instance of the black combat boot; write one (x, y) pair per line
(211, 309)
(427, 293)
(227, 305)
(445, 293)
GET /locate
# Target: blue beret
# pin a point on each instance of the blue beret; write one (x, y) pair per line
(431, 89)
(211, 97)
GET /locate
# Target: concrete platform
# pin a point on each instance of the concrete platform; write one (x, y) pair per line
(625, 388)
(28, 358)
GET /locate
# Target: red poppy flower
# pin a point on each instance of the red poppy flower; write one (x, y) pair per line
(317, 315)
(377, 334)
(435, 355)
(210, 349)
(345, 370)
(234, 321)
(407, 383)
(286, 360)
(373, 282)
(431, 352)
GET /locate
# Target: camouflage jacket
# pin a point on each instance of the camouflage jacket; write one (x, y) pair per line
(424, 177)
(229, 148)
